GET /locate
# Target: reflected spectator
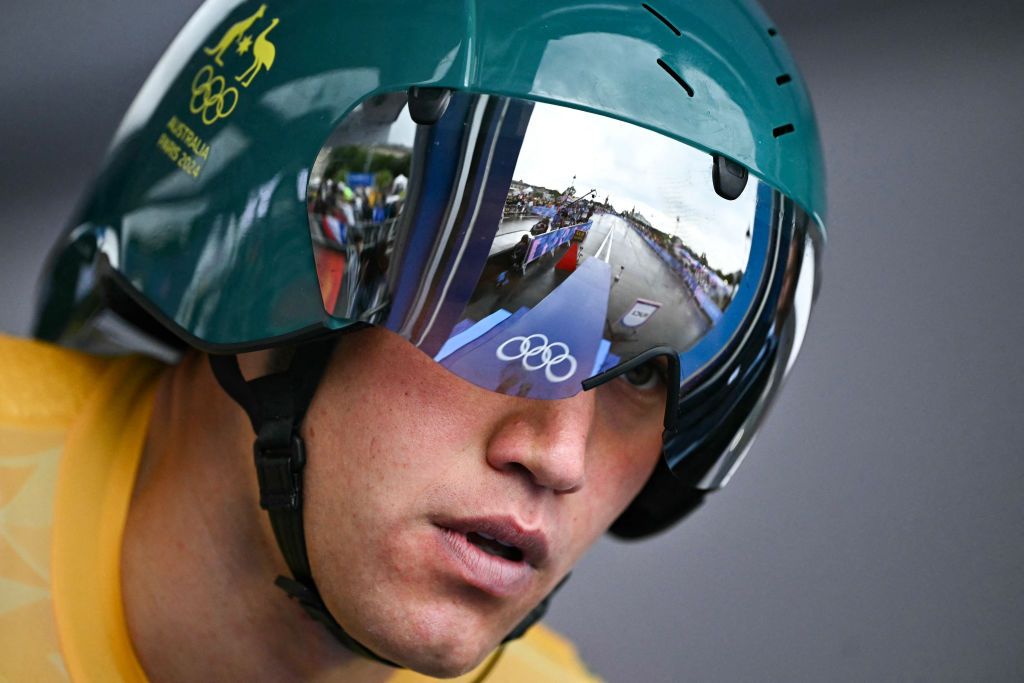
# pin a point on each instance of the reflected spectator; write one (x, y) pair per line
(519, 254)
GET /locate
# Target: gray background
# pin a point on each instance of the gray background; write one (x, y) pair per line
(875, 531)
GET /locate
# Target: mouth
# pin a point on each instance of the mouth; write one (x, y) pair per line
(493, 546)
(502, 537)
(495, 555)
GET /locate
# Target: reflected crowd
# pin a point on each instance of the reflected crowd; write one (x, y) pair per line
(353, 218)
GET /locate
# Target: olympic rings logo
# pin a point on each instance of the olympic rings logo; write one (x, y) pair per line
(543, 354)
(211, 98)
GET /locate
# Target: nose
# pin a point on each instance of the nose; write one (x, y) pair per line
(546, 440)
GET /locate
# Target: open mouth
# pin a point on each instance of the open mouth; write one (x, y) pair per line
(493, 546)
(502, 538)
(499, 565)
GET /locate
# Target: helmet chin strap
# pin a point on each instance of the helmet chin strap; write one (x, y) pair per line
(276, 405)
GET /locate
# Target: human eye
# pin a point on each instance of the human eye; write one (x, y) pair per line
(646, 377)
(635, 399)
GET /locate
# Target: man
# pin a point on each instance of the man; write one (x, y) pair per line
(433, 458)
(519, 255)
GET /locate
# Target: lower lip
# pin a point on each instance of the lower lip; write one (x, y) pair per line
(489, 573)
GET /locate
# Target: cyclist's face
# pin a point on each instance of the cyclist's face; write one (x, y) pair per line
(418, 482)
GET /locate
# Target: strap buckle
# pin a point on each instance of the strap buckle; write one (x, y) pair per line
(279, 471)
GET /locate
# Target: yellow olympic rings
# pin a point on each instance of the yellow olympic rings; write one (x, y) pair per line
(211, 96)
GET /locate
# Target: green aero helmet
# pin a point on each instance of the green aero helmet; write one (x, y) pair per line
(539, 195)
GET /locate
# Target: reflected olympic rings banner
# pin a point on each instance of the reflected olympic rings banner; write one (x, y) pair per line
(549, 358)
(549, 241)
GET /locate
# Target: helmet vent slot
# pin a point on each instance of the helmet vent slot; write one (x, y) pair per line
(662, 18)
(783, 130)
(679, 79)
(783, 79)
(772, 31)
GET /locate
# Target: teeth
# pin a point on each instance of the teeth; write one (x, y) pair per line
(492, 538)
(493, 546)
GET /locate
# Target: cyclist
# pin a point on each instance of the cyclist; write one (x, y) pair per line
(432, 453)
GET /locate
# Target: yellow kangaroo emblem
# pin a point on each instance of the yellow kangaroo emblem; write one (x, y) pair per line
(233, 34)
(263, 53)
(212, 98)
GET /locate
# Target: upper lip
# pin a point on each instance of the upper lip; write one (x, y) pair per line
(533, 543)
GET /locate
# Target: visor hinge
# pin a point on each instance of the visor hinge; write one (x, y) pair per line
(279, 472)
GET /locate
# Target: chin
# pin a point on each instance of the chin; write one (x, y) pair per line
(440, 655)
(446, 664)
(442, 642)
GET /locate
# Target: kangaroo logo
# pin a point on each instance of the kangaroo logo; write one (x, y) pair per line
(235, 34)
(212, 97)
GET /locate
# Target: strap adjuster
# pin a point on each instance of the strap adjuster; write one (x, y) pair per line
(279, 471)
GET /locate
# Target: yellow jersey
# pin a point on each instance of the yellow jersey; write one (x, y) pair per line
(72, 428)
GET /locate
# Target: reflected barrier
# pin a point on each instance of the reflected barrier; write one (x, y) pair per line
(549, 241)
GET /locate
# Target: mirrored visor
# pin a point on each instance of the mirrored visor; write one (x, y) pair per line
(528, 246)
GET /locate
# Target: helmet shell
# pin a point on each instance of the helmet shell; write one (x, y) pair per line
(200, 208)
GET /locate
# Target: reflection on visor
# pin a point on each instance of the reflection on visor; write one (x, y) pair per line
(527, 246)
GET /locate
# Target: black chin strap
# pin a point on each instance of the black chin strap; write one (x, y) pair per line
(276, 405)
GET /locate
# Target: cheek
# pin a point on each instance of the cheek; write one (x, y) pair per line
(625, 462)
(632, 433)
(386, 416)
(383, 438)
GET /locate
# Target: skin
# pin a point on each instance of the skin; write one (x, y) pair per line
(396, 443)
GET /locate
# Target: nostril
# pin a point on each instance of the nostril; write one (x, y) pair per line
(519, 468)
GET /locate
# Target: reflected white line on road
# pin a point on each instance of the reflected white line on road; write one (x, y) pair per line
(607, 242)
